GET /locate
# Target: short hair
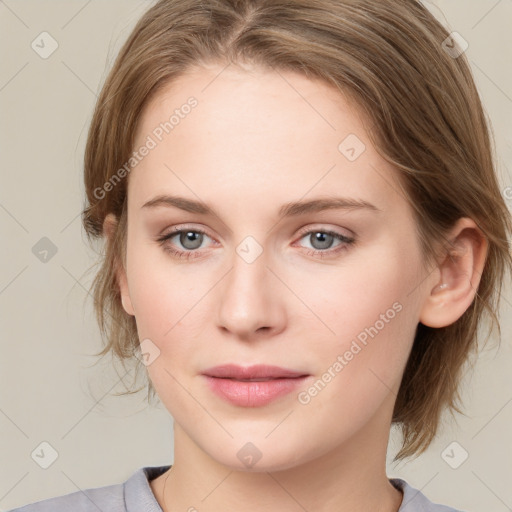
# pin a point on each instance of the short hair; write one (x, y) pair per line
(388, 56)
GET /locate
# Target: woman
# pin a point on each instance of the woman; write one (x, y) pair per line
(303, 228)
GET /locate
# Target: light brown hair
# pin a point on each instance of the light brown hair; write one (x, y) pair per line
(427, 121)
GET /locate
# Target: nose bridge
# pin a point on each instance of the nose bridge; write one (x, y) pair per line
(247, 298)
(249, 274)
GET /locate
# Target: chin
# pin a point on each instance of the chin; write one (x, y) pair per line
(260, 455)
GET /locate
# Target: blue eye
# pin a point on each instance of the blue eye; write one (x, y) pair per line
(324, 239)
(192, 239)
(188, 238)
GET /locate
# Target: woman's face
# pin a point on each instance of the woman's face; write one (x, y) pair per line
(333, 294)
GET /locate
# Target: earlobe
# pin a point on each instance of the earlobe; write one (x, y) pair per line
(109, 227)
(460, 273)
(125, 293)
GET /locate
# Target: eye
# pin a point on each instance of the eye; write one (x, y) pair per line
(322, 240)
(189, 239)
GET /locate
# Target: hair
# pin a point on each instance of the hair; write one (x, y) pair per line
(427, 121)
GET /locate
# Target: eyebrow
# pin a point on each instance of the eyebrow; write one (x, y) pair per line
(292, 209)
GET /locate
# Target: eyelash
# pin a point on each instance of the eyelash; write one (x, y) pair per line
(189, 254)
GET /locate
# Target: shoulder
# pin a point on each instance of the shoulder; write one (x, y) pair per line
(102, 498)
(121, 497)
(415, 501)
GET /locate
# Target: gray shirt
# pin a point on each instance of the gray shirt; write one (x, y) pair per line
(135, 495)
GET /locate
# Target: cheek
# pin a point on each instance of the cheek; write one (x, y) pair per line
(173, 310)
(349, 298)
(366, 316)
(161, 292)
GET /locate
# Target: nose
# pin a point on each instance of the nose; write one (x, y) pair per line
(250, 300)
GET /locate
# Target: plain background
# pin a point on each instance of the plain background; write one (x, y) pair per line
(50, 391)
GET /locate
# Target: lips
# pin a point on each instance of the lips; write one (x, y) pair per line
(252, 386)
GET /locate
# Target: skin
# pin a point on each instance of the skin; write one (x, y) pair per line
(257, 140)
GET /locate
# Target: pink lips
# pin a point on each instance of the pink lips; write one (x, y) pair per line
(252, 386)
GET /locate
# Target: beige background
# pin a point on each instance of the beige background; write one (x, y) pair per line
(49, 389)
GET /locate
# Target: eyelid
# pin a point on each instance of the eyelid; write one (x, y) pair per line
(324, 228)
(185, 227)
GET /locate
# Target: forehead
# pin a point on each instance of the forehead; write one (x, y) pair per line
(253, 97)
(254, 131)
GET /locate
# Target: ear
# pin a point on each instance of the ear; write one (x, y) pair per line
(457, 277)
(109, 229)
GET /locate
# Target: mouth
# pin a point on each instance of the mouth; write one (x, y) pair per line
(252, 386)
(263, 379)
(255, 373)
